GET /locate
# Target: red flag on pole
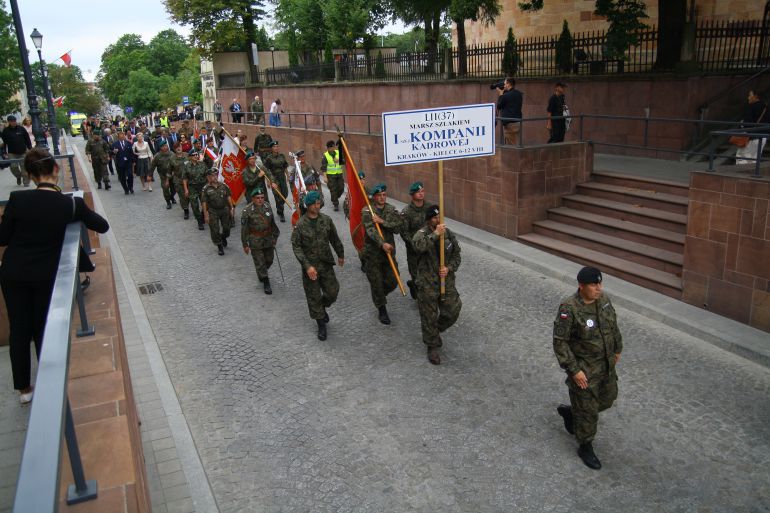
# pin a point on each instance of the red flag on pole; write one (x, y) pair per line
(297, 190)
(67, 58)
(231, 166)
(357, 202)
(58, 101)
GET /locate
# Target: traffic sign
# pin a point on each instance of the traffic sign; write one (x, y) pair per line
(185, 100)
(128, 110)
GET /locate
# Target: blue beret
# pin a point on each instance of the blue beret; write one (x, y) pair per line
(415, 187)
(311, 197)
(380, 187)
(589, 275)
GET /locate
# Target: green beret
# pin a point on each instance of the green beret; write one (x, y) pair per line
(96, 131)
(273, 143)
(415, 187)
(193, 153)
(300, 153)
(380, 187)
(589, 275)
(249, 154)
(311, 197)
(162, 144)
(361, 174)
(212, 171)
(256, 191)
(431, 212)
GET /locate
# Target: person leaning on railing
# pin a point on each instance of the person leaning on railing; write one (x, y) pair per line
(32, 228)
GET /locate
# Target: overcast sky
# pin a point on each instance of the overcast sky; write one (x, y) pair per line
(88, 27)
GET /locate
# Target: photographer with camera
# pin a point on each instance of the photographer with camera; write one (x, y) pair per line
(509, 108)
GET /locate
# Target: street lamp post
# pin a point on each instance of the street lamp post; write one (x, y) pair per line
(37, 39)
(34, 110)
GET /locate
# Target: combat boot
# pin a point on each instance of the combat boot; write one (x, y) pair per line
(201, 226)
(283, 218)
(321, 329)
(384, 319)
(586, 453)
(168, 203)
(326, 316)
(107, 187)
(98, 185)
(220, 249)
(268, 288)
(224, 241)
(187, 213)
(433, 356)
(566, 414)
(412, 289)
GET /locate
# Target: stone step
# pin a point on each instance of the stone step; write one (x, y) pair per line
(654, 279)
(641, 215)
(641, 182)
(644, 197)
(655, 237)
(643, 254)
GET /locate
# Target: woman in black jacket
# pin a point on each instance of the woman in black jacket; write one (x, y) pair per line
(33, 228)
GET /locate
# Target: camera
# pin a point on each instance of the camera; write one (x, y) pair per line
(498, 85)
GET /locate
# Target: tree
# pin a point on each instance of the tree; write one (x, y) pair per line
(142, 91)
(219, 25)
(672, 18)
(304, 27)
(127, 54)
(624, 18)
(10, 63)
(564, 50)
(485, 11)
(351, 21)
(379, 67)
(186, 83)
(510, 55)
(69, 82)
(165, 53)
(427, 12)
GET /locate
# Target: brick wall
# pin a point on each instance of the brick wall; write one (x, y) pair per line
(502, 194)
(727, 250)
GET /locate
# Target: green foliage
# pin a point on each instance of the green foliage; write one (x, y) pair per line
(475, 10)
(165, 53)
(534, 5)
(10, 63)
(264, 41)
(127, 54)
(511, 57)
(624, 17)
(379, 66)
(415, 38)
(142, 91)
(302, 22)
(186, 83)
(68, 82)
(328, 53)
(564, 50)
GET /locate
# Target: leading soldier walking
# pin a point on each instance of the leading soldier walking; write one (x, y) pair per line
(414, 219)
(259, 234)
(587, 343)
(217, 210)
(382, 281)
(164, 161)
(177, 178)
(98, 153)
(437, 314)
(311, 241)
(194, 180)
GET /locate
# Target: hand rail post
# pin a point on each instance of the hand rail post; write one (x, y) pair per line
(369, 124)
(305, 120)
(580, 128)
(71, 159)
(82, 490)
(711, 154)
(323, 122)
(759, 158)
(344, 125)
(646, 126)
(85, 240)
(85, 330)
(521, 134)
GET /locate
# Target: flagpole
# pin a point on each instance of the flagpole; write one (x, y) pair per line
(371, 211)
(442, 290)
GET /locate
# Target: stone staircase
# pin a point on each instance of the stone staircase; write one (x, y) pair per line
(629, 226)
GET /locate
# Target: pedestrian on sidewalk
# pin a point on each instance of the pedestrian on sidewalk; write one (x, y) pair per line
(143, 155)
(331, 169)
(16, 142)
(557, 125)
(509, 108)
(756, 112)
(587, 343)
(275, 113)
(32, 228)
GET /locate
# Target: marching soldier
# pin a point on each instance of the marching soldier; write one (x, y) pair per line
(587, 343)
(253, 176)
(311, 241)
(331, 168)
(311, 184)
(177, 177)
(436, 315)
(259, 234)
(98, 153)
(376, 250)
(194, 180)
(414, 219)
(218, 210)
(164, 161)
(276, 165)
(262, 143)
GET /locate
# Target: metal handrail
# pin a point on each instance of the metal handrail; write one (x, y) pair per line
(70, 157)
(51, 415)
(705, 106)
(751, 133)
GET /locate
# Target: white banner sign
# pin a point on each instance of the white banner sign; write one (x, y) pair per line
(438, 134)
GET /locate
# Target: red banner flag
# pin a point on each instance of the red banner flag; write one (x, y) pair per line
(231, 166)
(67, 58)
(298, 188)
(357, 202)
(58, 101)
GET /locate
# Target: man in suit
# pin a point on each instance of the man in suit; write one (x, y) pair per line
(123, 156)
(160, 139)
(173, 137)
(236, 110)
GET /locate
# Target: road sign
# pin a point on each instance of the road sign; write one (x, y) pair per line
(128, 110)
(185, 100)
(445, 133)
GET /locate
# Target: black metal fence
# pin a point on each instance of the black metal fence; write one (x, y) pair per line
(719, 46)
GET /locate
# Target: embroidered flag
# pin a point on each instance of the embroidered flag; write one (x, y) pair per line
(231, 166)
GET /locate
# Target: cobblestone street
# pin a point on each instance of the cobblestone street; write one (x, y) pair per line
(363, 423)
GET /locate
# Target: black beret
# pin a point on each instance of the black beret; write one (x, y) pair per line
(431, 212)
(589, 275)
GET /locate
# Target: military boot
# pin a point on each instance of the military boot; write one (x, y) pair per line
(201, 226)
(268, 288)
(433, 356)
(168, 204)
(220, 249)
(384, 319)
(107, 186)
(566, 414)
(412, 289)
(586, 453)
(224, 241)
(187, 213)
(321, 329)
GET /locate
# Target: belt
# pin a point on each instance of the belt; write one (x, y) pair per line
(334, 172)
(260, 233)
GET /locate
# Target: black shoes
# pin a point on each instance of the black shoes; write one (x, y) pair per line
(384, 319)
(586, 453)
(283, 218)
(224, 242)
(187, 213)
(433, 356)
(107, 187)
(168, 204)
(412, 289)
(220, 250)
(268, 288)
(321, 329)
(98, 185)
(336, 207)
(566, 413)
(173, 201)
(326, 316)
(200, 226)
(131, 191)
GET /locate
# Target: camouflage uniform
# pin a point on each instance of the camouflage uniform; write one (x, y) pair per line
(100, 155)
(252, 179)
(259, 233)
(217, 200)
(310, 241)
(381, 278)
(177, 176)
(586, 337)
(195, 176)
(335, 181)
(414, 219)
(262, 145)
(277, 165)
(164, 162)
(436, 316)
